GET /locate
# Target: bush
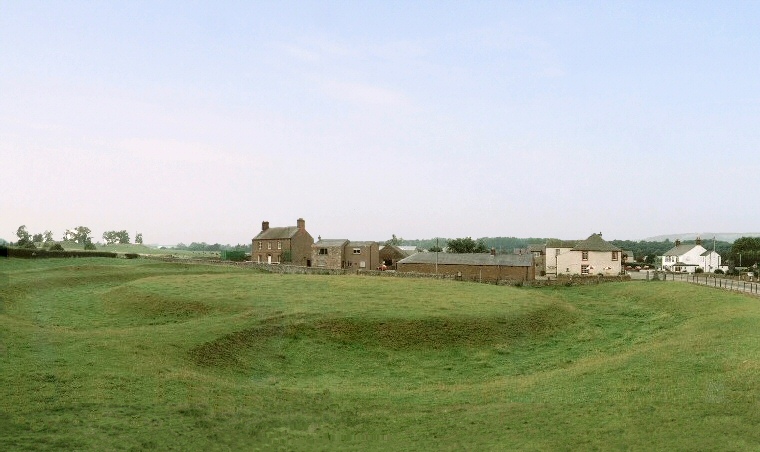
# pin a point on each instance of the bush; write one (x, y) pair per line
(56, 247)
(719, 271)
(131, 255)
(699, 270)
(89, 246)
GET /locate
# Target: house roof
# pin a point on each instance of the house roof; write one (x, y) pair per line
(511, 260)
(535, 248)
(360, 243)
(707, 253)
(680, 250)
(595, 242)
(628, 253)
(286, 232)
(557, 243)
(325, 243)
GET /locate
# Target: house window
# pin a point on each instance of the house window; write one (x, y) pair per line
(279, 245)
(357, 250)
(260, 245)
(584, 269)
(556, 252)
(584, 255)
(323, 251)
(269, 245)
(614, 255)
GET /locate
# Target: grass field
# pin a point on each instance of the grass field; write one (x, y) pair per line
(104, 354)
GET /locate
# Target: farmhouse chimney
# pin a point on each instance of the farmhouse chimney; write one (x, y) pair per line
(301, 223)
(698, 241)
(678, 242)
(264, 225)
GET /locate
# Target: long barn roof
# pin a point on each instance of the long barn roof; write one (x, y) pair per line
(507, 260)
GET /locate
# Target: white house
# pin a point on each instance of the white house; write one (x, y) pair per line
(687, 258)
(592, 256)
(588, 257)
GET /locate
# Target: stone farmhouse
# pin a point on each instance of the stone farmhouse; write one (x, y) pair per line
(686, 258)
(472, 266)
(343, 253)
(291, 244)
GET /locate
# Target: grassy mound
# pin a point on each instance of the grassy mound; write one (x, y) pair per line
(129, 354)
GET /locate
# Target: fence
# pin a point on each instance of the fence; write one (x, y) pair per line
(706, 279)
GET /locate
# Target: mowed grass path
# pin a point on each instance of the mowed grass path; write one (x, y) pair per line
(117, 354)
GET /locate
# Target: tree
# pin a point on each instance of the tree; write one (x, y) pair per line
(466, 245)
(37, 238)
(47, 236)
(435, 249)
(69, 235)
(138, 238)
(23, 235)
(80, 234)
(394, 240)
(745, 251)
(112, 237)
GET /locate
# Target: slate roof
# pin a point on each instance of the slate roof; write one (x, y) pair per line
(286, 232)
(707, 253)
(534, 248)
(325, 243)
(361, 243)
(680, 250)
(557, 243)
(595, 242)
(509, 260)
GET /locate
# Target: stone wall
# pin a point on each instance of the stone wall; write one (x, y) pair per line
(480, 273)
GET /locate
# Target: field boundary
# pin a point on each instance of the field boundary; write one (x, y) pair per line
(300, 270)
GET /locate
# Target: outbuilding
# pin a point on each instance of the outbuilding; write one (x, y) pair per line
(472, 266)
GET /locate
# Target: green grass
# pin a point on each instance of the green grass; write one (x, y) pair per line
(129, 354)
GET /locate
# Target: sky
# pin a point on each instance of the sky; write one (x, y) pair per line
(196, 121)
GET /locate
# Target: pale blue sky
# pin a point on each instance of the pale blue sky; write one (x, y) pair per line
(195, 121)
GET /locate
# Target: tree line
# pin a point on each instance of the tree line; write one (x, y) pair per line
(81, 235)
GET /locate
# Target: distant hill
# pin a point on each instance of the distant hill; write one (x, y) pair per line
(722, 236)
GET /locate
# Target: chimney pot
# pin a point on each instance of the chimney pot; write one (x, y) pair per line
(264, 225)
(301, 223)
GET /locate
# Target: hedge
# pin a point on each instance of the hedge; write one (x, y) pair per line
(24, 253)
